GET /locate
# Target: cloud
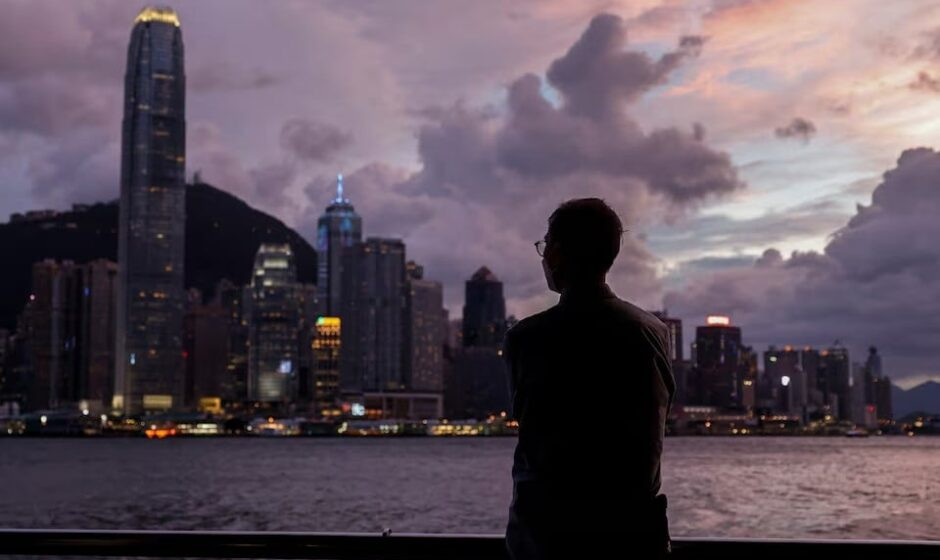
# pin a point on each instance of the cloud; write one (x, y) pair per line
(798, 128)
(313, 141)
(221, 76)
(717, 234)
(925, 82)
(267, 184)
(490, 176)
(875, 282)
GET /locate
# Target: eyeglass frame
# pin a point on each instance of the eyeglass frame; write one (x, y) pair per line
(542, 244)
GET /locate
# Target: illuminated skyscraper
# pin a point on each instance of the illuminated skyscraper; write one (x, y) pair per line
(337, 229)
(786, 380)
(326, 350)
(721, 369)
(149, 344)
(274, 318)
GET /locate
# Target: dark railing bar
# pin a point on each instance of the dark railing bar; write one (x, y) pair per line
(406, 546)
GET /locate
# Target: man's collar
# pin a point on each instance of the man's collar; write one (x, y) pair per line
(587, 293)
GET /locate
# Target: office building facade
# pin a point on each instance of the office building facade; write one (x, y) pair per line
(149, 335)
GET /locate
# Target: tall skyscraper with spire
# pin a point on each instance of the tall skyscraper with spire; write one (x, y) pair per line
(337, 229)
(149, 345)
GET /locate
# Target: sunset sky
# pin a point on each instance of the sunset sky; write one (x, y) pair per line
(728, 134)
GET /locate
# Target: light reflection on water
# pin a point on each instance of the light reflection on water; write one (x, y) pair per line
(886, 487)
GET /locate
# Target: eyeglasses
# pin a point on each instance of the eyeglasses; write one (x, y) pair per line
(540, 247)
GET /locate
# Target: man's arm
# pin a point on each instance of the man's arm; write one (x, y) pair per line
(509, 355)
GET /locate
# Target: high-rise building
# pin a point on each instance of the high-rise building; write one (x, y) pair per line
(7, 390)
(327, 344)
(674, 328)
(337, 229)
(273, 326)
(98, 317)
(680, 367)
(373, 316)
(719, 376)
(832, 378)
(206, 346)
(307, 300)
(476, 380)
(149, 344)
(877, 387)
(231, 298)
(69, 325)
(425, 332)
(484, 311)
(786, 380)
(883, 399)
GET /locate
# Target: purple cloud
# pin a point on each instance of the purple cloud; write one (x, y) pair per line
(875, 282)
(490, 176)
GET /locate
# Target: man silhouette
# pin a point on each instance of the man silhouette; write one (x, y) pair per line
(591, 385)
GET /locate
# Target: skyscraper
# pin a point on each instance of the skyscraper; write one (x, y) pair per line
(274, 317)
(832, 378)
(69, 326)
(476, 381)
(786, 379)
(373, 316)
(674, 328)
(720, 372)
(337, 229)
(326, 353)
(484, 311)
(424, 332)
(878, 386)
(680, 367)
(149, 343)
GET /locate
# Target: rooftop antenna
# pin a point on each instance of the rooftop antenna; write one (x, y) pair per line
(339, 187)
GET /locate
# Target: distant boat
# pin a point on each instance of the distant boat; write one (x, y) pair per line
(160, 430)
(857, 432)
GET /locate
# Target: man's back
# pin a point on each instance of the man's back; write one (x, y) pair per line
(591, 384)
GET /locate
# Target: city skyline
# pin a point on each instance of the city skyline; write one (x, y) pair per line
(772, 171)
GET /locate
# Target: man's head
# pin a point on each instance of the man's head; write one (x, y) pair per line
(582, 242)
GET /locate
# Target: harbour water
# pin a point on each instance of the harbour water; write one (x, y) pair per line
(879, 487)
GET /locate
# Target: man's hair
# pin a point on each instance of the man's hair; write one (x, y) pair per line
(587, 233)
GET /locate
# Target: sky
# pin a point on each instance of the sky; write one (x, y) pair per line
(771, 159)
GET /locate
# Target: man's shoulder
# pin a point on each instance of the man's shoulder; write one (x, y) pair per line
(639, 318)
(535, 322)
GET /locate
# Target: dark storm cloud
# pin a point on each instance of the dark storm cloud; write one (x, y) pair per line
(489, 177)
(875, 283)
(597, 76)
(799, 128)
(313, 141)
(925, 82)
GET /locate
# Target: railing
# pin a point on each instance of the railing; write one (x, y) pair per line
(365, 546)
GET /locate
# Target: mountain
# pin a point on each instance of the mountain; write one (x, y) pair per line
(922, 398)
(222, 235)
